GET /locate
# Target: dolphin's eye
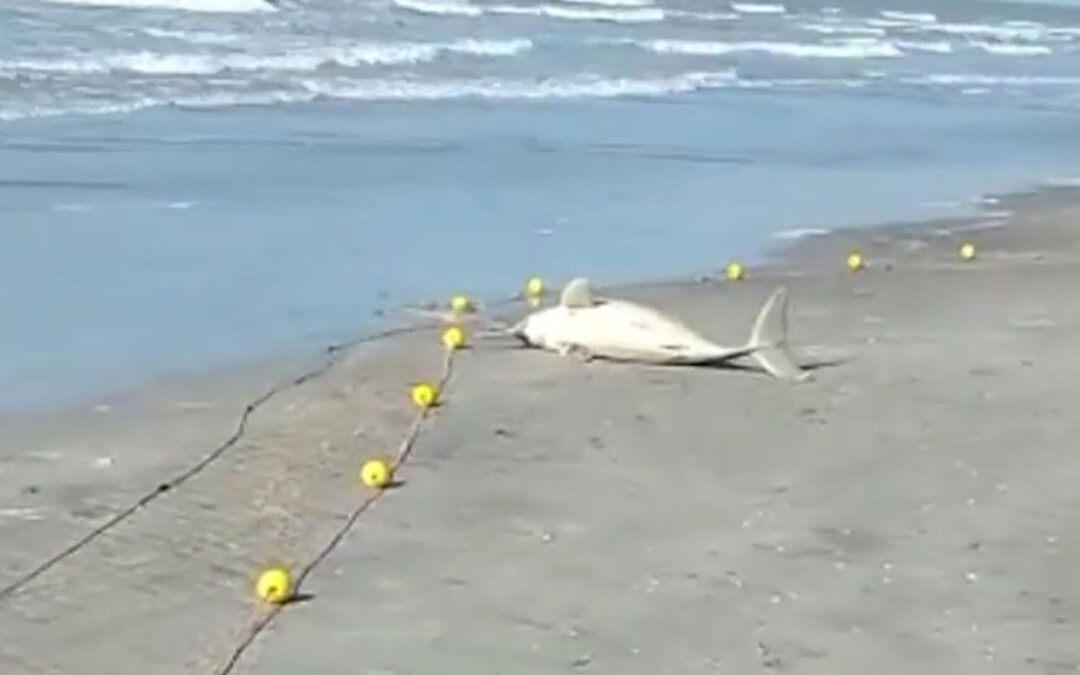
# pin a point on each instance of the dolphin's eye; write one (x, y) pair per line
(674, 348)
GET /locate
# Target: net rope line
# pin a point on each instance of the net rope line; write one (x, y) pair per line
(334, 353)
(403, 452)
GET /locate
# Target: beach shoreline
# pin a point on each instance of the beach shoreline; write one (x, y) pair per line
(161, 248)
(818, 252)
(917, 486)
(785, 253)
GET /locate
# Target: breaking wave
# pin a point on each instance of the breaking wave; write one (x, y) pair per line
(377, 90)
(701, 16)
(938, 47)
(843, 29)
(757, 8)
(848, 50)
(215, 6)
(1001, 32)
(300, 60)
(580, 86)
(194, 37)
(616, 11)
(911, 17)
(612, 3)
(976, 80)
(1011, 49)
(440, 7)
(639, 15)
(801, 233)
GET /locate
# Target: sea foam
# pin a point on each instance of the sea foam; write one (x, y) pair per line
(845, 50)
(440, 7)
(214, 6)
(308, 59)
(614, 11)
(637, 15)
(757, 8)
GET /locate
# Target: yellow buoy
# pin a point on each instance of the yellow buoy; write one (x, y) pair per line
(375, 473)
(424, 394)
(460, 303)
(967, 251)
(453, 337)
(274, 585)
(854, 261)
(735, 271)
(534, 287)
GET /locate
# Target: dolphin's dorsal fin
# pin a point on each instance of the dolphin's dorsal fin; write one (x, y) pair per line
(577, 293)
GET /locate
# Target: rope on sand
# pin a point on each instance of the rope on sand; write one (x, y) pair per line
(403, 451)
(334, 353)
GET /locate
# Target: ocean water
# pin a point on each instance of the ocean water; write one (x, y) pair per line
(186, 183)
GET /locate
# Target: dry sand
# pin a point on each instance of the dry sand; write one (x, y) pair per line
(913, 508)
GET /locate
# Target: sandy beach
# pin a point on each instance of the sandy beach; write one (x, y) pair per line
(911, 508)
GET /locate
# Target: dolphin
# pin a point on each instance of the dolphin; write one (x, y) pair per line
(603, 328)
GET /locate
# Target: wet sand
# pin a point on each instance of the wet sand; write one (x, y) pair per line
(913, 507)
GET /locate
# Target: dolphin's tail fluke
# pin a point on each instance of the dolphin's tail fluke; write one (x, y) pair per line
(769, 337)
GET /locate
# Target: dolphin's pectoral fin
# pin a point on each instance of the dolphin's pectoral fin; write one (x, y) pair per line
(572, 349)
(582, 353)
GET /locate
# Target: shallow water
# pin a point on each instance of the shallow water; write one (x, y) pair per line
(180, 188)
